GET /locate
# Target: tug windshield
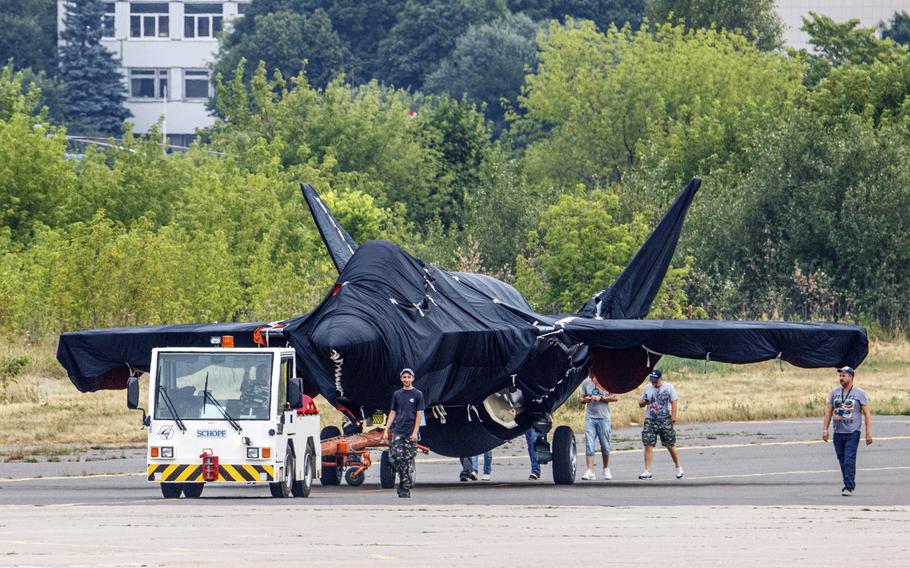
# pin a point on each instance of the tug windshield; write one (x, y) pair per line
(239, 382)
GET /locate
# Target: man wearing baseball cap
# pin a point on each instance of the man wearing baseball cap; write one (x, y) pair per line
(401, 428)
(660, 403)
(845, 403)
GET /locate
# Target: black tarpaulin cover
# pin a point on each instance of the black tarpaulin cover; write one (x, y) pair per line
(631, 295)
(104, 358)
(339, 243)
(802, 344)
(392, 311)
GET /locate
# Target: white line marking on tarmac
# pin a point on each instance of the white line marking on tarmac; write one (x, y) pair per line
(516, 457)
(796, 472)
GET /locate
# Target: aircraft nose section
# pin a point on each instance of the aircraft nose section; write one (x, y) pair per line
(345, 334)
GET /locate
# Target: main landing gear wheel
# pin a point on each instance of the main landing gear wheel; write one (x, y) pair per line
(283, 487)
(193, 490)
(171, 490)
(302, 487)
(386, 471)
(353, 477)
(331, 474)
(565, 457)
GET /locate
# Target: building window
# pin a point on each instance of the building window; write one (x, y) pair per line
(148, 83)
(149, 19)
(202, 20)
(242, 8)
(197, 84)
(107, 23)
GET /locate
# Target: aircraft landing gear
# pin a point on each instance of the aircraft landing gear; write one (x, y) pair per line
(563, 453)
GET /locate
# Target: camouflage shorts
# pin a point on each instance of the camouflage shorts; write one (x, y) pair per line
(661, 427)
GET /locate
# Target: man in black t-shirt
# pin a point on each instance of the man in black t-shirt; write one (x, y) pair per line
(404, 421)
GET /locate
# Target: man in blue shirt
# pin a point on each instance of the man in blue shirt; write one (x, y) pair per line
(404, 421)
(845, 404)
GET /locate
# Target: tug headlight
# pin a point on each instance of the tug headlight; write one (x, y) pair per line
(252, 453)
(167, 452)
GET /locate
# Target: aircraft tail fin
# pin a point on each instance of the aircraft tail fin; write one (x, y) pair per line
(631, 295)
(340, 244)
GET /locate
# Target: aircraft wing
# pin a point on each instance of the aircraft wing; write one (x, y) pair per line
(100, 359)
(624, 351)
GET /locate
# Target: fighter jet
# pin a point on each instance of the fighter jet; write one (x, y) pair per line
(489, 365)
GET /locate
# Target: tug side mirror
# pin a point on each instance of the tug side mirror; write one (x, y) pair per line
(295, 393)
(132, 393)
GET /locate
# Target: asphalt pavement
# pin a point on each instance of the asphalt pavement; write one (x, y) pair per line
(753, 492)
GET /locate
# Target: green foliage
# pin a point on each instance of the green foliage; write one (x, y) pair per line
(836, 44)
(581, 246)
(93, 88)
(28, 34)
(897, 29)
(425, 34)
(286, 41)
(603, 13)
(685, 101)
(488, 65)
(756, 19)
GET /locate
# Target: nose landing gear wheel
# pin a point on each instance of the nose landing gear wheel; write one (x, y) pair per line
(386, 471)
(565, 458)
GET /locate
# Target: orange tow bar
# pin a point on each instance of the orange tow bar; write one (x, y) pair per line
(354, 451)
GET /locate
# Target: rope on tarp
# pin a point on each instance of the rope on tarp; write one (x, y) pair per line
(439, 412)
(339, 361)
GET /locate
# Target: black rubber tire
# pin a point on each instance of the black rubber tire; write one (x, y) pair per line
(353, 478)
(171, 490)
(331, 474)
(282, 488)
(302, 487)
(565, 458)
(193, 490)
(386, 471)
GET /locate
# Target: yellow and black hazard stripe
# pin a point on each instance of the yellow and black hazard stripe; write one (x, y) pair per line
(226, 472)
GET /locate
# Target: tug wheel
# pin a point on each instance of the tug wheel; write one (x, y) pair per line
(302, 487)
(193, 490)
(331, 474)
(171, 490)
(353, 477)
(386, 471)
(283, 488)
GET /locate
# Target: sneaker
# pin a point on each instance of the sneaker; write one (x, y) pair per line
(607, 475)
(680, 473)
(486, 477)
(474, 476)
(535, 475)
(463, 477)
(404, 495)
(846, 492)
(588, 476)
(645, 475)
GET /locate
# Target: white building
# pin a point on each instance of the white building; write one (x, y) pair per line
(165, 51)
(868, 12)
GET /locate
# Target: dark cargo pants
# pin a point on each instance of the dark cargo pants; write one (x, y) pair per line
(403, 451)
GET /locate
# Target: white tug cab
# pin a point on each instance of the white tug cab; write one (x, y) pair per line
(230, 416)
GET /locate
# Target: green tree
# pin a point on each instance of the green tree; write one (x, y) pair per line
(287, 41)
(488, 65)
(836, 44)
(93, 88)
(756, 19)
(425, 34)
(684, 100)
(581, 246)
(28, 34)
(897, 29)
(603, 13)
